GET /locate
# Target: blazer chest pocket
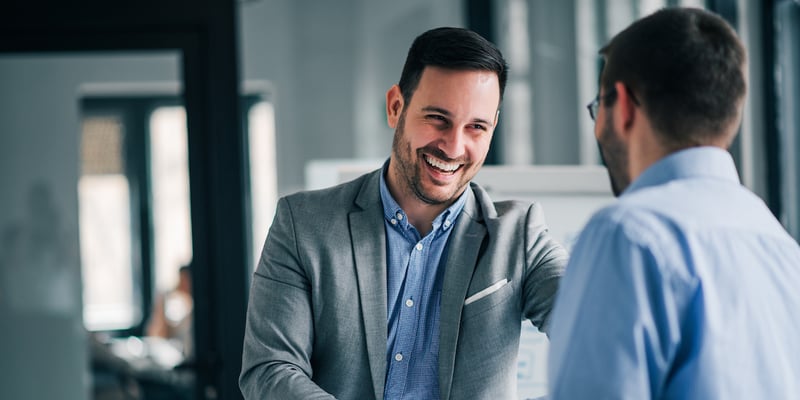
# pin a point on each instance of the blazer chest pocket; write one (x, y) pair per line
(487, 299)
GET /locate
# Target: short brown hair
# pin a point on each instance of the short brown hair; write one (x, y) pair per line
(686, 67)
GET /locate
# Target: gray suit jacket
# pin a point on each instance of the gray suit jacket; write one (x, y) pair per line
(317, 317)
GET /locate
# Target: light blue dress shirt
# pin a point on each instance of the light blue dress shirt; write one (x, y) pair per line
(686, 288)
(415, 273)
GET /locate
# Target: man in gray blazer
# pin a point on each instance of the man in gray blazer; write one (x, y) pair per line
(408, 282)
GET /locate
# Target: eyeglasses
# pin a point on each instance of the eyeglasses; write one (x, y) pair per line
(595, 104)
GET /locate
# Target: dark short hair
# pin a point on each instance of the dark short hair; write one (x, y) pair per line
(451, 48)
(686, 67)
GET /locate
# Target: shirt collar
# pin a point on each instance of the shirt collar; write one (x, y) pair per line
(695, 162)
(396, 216)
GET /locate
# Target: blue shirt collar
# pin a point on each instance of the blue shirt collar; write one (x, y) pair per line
(695, 162)
(396, 216)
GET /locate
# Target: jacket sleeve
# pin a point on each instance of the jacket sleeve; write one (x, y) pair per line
(546, 260)
(279, 333)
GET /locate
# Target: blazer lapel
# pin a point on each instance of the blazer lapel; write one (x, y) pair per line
(462, 258)
(369, 247)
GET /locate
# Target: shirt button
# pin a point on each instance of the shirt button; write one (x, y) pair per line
(393, 221)
(398, 357)
(447, 223)
(400, 216)
(409, 303)
(419, 246)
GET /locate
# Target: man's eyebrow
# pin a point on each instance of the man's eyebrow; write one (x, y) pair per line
(482, 121)
(436, 109)
(447, 113)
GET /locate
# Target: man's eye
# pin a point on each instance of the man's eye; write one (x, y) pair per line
(478, 127)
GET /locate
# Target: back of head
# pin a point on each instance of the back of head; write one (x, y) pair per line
(451, 48)
(686, 67)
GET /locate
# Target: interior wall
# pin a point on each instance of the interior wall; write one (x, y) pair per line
(266, 48)
(331, 64)
(44, 349)
(306, 49)
(553, 70)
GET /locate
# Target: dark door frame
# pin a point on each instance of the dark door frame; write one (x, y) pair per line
(205, 35)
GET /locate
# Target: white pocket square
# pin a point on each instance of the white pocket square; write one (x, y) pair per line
(485, 292)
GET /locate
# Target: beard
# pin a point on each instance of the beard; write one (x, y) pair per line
(410, 171)
(614, 154)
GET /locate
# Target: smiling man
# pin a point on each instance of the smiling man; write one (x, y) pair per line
(408, 282)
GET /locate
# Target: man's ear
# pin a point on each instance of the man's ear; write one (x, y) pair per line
(625, 110)
(394, 106)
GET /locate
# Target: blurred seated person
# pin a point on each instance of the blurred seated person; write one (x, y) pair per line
(171, 318)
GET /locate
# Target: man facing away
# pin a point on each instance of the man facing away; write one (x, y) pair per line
(408, 282)
(686, 288)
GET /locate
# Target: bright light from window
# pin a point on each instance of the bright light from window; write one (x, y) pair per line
(105, 227)
(263, 180)
(106, 252)
(169, 169)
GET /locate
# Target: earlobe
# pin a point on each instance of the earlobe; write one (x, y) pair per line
(394, 106)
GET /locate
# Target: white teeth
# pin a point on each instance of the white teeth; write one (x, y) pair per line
(442, 165)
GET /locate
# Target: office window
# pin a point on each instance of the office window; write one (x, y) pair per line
(105, 226)
(169, 177)
(552, 48)
(135, 204)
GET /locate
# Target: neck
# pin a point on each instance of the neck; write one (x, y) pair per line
(645, 150)
(419, 213)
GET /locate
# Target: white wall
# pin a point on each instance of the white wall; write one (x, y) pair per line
(43, 344)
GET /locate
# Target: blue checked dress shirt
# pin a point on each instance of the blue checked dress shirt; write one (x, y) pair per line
(415, 273)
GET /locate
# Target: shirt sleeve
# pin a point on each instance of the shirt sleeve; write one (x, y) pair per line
(616, 322)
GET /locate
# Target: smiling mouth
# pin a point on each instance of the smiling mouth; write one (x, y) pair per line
(442, 166)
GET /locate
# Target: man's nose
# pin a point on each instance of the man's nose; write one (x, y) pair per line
(453, 142)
